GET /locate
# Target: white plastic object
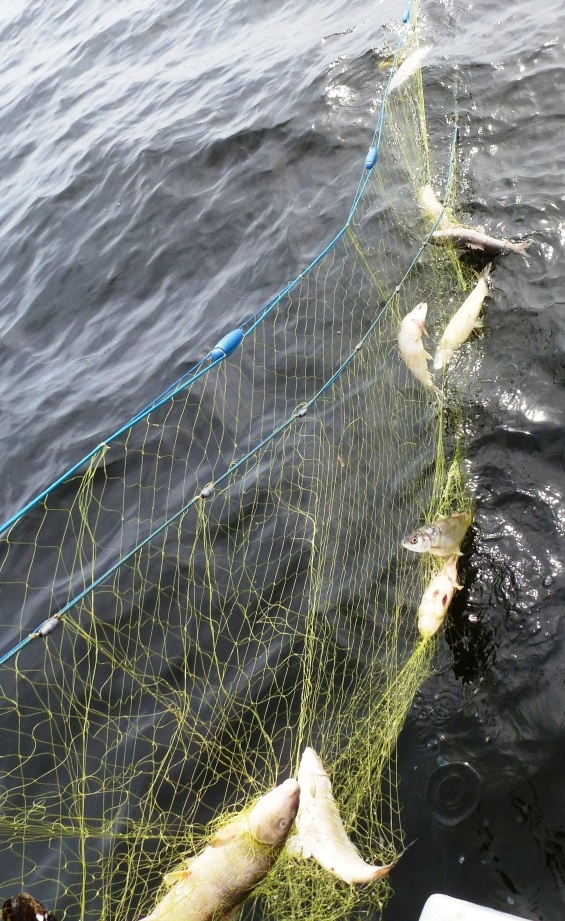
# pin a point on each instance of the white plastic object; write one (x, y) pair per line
(445, 908)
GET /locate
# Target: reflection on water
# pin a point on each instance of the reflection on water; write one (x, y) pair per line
(166, 169)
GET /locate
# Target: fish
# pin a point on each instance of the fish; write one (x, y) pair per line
(463, 321)
(408, 67)
(433, 208)
(441, 538)
(411, 346)
(24, 907)
(478, 240)
(216, 881)
(437, 597)
(320, 833)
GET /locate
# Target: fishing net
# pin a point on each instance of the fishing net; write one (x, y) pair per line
(226, 577)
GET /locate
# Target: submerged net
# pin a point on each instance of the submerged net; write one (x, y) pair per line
(228, 578)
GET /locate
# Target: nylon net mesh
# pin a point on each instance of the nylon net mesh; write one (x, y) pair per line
(188, 675)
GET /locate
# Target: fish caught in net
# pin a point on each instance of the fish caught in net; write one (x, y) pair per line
(221, 584)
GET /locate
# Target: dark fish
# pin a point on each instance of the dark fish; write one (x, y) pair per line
(24, 907)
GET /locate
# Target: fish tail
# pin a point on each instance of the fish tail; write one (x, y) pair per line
(521, 247)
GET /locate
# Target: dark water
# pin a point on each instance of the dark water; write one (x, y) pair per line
(168, 167)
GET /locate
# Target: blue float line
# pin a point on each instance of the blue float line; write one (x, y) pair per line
(377, 134)
(299, 278)
(248, 326)
(121, 431)
(214, 358)
(298, 413)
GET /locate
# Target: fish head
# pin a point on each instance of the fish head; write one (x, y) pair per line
(310, 763)
(271, 818)
(419, 541)
(418, 316)
(312, 776)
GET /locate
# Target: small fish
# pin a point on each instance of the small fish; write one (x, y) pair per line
(441, 538)
(478, 240)
(411, 346)
(408, 67)
(217, 880)
(320, 832)
(433, 208)
(437, 597)
(24, 907)
(463, 321)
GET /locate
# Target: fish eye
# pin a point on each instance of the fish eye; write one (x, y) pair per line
(283, 823)
(414, 539)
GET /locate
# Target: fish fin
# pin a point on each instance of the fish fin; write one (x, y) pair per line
(479, 323)
(458, 587)
(520, 247)
(427, 356)
(480, 228)
(174, 876)
(298, 847)
(402, 853)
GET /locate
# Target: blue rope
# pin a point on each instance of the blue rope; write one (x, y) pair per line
(222, 350)
(210, 361)
(377, 134)
(298, 413)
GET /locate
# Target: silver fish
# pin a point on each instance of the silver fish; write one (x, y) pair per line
(320, 831)
(478, 240)
(408, 67)
(214, 882)
(433, 208)
(463, 321)
(440, 538)
(411, 347)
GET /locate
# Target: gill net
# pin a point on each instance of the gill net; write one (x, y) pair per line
(226, 577)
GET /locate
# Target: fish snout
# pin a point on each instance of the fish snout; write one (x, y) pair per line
(415, 542)
(419, 314)
(271, 819)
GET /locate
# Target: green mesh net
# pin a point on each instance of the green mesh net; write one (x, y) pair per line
(229, 581)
